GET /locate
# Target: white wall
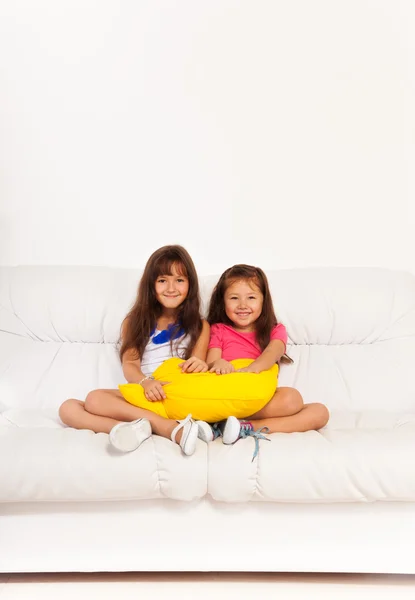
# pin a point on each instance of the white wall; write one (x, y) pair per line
(275, 132)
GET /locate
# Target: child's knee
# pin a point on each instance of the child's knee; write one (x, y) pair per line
(93, 401)
(321, 415)
(66, 411)
(292, 401)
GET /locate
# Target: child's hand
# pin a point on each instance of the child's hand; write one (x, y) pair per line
(221, 367)
(249, 369)
(153, 390)
(194, 365)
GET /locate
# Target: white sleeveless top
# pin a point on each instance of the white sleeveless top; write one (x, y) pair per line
(156, 353)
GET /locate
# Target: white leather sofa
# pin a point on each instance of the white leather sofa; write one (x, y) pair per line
(338, 500)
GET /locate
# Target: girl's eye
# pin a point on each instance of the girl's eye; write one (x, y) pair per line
(161, 280)
(180, 280)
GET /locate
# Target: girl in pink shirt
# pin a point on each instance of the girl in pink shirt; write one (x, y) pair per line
(243, 325)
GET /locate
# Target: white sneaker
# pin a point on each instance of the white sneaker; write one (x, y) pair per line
(231, 429)
(205, 431)
(189, 435)
(208, 433)
(127, 437)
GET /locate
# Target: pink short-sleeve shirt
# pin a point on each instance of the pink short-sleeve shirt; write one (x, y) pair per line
(235, 344)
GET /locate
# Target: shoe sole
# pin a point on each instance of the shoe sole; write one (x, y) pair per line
(127, 437)
(205, 432)
(231, 431)
(188, 444)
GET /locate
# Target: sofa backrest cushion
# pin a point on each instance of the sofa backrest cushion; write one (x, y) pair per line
(351, 333)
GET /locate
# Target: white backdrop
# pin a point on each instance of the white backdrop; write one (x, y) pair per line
(273, 132)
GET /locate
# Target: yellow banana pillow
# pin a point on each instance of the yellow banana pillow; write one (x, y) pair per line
(207, 396)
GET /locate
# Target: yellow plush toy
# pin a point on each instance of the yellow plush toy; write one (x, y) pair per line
(207, 396)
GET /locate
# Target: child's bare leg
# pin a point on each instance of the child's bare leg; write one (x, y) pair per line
(311, 416)
(72, 413)
(111, 406)
(285, 402)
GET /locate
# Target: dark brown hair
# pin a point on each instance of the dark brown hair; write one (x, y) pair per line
(142, 318)
(267, 319)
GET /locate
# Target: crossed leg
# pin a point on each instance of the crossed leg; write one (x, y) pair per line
(103, 409)
(287, 413)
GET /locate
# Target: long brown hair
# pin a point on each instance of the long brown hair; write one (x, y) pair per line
(267, 319)
(142, 318)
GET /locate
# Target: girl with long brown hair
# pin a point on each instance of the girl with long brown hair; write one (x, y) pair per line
(244, 325)
(164, 322)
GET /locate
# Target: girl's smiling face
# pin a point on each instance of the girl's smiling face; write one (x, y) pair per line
(243, 304)
(171, 290)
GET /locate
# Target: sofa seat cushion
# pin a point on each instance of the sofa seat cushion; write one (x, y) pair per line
(43, 461)
(358, 457)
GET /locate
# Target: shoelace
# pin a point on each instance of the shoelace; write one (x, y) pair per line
(248, 431)
(216, 431)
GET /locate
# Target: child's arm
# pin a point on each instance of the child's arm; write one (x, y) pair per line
(153, 389)
(131, 367)
(268, 358)
(197, 362)
(130, 361)
(217, 364)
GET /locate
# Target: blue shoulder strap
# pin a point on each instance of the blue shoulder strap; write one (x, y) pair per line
(167, 334)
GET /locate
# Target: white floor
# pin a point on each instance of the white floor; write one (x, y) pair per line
(108, 586)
